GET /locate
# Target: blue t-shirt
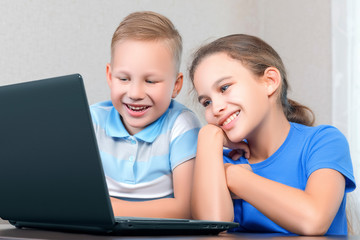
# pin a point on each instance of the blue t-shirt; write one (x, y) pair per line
(140, 167)
(305, 150)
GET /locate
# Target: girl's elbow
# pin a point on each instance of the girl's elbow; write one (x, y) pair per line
(211, 217)
(184, 215)
(183, 211)
(211, 214)
(314, 226)
(313, 230)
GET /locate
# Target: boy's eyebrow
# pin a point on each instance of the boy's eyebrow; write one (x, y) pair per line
(216, 83)
(146, 74)
(120, 72)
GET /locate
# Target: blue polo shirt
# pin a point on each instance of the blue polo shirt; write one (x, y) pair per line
(139, 167)
(305, 150)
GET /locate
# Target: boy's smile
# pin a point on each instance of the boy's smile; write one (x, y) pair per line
(142, 78)
(136, 110)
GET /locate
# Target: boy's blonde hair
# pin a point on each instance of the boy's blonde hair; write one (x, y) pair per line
(149, 26)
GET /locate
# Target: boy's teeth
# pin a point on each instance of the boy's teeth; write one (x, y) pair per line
(136, 108)
(232, 117)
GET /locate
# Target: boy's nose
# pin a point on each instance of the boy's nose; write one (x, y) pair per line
(136, 91)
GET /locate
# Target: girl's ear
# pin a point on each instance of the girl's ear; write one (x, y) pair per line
(108, 74)
(178, 85)
(272, 78)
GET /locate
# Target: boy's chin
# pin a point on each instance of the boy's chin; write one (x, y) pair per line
(138, 126)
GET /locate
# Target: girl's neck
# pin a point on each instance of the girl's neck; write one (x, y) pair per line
(268, 137)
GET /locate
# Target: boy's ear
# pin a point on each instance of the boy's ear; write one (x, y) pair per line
(272, 78)
(178, 85)
(108, 74)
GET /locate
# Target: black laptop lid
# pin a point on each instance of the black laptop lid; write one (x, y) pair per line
(46, 131)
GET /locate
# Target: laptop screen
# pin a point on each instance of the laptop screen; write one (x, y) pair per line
(49, 161)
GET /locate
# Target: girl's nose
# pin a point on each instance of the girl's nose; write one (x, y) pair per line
(218, 106)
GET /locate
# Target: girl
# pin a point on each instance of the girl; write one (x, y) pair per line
(296, 178)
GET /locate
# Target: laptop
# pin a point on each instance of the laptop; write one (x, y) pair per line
(51, 175)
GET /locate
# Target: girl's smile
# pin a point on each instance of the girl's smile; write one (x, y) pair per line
(234, 99)
(229, 122)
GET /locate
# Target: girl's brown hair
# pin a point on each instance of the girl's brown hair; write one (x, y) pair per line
(257, 56)
(149, 26)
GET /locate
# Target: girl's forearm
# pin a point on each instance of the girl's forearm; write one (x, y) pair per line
(211, 198)
(308, 212)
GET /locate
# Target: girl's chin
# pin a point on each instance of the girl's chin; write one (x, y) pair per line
(235, 139)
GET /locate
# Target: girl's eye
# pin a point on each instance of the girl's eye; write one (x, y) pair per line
(124, 79)
(206, 103)
(223, 88)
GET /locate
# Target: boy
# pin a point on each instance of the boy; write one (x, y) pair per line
(147, 141)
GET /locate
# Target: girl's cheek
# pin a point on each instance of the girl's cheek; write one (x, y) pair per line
(209, 118)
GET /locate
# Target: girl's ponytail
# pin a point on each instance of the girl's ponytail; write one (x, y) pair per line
(295, 112)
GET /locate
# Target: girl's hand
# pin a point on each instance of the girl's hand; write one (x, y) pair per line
(232, 167)
(238, 149)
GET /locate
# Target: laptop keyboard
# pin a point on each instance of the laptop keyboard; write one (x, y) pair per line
(141, 219)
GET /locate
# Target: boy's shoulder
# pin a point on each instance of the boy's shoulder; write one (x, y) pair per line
(177, 110)
(181, 117)
(101, 108)
(100, 111)
(175, 106)
(105, 106)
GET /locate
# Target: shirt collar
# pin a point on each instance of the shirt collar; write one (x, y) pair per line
(115, 127)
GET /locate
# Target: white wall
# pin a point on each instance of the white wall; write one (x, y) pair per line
(46, 38)
(346, 87)
(301, 32)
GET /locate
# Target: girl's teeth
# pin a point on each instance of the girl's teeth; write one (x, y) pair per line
(232, 117)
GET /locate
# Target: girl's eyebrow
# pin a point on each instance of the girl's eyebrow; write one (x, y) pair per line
(216, 83)
(200, 98)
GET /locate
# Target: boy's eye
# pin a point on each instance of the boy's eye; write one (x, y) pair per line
(124, 79)
(151, 81)
(223, 88)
